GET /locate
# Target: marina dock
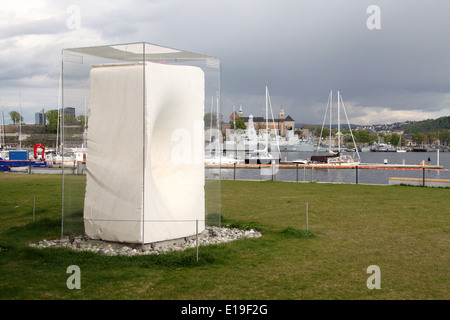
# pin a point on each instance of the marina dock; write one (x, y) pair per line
(442, 183)
(365, 173)
(290, 165)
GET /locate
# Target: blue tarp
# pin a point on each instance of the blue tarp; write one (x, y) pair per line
(18, 155)
(5, 165)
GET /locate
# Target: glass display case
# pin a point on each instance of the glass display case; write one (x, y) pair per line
(135, 127)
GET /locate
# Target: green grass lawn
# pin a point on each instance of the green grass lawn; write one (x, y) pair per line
(403, 230)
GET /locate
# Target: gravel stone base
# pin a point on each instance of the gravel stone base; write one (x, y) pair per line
(211, 235)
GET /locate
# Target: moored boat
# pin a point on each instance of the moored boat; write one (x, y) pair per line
(336, 158)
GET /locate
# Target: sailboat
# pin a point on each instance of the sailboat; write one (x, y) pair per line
(335, 158)
(400, 148)
(214, 151)
(62, 156)
(264, 156)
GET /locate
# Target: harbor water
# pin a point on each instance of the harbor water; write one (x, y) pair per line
(365, 173)
(362, 175)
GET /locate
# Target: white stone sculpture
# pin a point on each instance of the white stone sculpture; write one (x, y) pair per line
(145, 153)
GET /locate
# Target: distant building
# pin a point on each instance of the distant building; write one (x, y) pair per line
(305, 131)
(68, 110)
(282, 124)
(234, 116)
(39, 118)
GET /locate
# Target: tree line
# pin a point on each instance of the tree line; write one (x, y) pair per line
(395, 139)
(51, 120)
(426, 126)
(52, 123)
(419, 132)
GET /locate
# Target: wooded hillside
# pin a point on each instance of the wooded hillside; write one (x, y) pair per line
(429, 125)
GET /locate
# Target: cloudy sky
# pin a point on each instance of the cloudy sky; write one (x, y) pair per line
(391, 63)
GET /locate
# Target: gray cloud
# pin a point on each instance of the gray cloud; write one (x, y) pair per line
(45, 26)
(300, 49)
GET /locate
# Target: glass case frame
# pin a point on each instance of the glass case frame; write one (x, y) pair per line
(76, 64)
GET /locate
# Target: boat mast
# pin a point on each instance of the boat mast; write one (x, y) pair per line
(3, 129)
(20, 121)
(218, 128)
(273, 124)
(323, 122)
(84, 131)
(339, 126)
(58, 131)
(234, 131)
(211, 126)
(266, 147)
(267, 111)
(331, 117)
(234, 117)
(350, 128)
